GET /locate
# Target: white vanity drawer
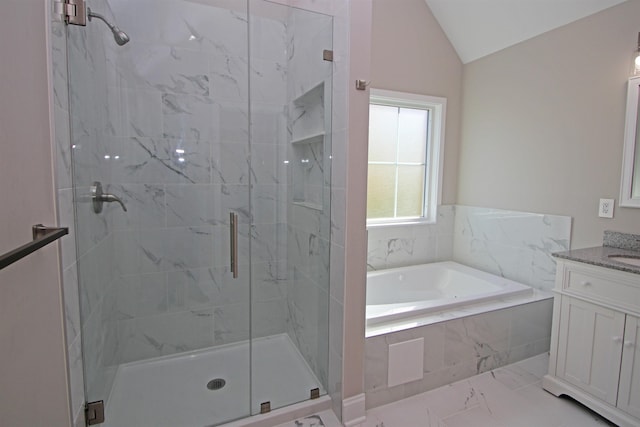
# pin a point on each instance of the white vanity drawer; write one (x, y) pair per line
(596, 283)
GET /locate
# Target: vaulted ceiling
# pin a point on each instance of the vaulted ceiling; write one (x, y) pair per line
(477, 28)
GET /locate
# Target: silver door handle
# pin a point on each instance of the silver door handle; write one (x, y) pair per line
(233, 238)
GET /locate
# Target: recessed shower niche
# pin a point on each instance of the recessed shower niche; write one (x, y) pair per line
(308, 135)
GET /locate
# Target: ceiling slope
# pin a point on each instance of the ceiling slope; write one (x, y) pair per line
(477, 28)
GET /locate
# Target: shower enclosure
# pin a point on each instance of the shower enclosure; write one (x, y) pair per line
(201, 164)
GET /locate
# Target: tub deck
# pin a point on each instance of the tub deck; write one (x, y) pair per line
(401, 298)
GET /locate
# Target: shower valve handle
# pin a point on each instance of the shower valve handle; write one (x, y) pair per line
(99, 198)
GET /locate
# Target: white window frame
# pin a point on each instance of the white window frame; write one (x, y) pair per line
(435, 155)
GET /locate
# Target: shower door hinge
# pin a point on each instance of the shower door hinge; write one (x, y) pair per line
(71, 11)
(327, 55)
(265, 407)
(315, 393)
(94, 413)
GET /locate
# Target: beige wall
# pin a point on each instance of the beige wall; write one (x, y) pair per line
(33, 385)
(411, 53)
(543, 124)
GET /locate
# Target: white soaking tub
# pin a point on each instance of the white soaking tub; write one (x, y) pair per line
(407, 292)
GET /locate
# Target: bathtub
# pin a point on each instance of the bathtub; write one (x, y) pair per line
(407, 292)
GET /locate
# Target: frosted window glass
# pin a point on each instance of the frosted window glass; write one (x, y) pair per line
(400, 133)
(410, 191)
(412, 135)
(381, 185)
(383, 133)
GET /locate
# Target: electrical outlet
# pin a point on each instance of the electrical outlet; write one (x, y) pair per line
(606, 208)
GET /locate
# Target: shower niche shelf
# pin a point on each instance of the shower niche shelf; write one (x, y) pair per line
(318, 137)
(307, 147)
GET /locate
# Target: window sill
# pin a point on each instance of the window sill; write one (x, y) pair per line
(398, 223)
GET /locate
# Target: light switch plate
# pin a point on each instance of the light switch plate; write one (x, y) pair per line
(606, 208)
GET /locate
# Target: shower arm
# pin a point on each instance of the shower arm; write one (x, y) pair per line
(91, 15)
(120, 36)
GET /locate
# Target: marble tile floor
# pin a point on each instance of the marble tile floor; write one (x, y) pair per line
(321, 419)
(511, 396)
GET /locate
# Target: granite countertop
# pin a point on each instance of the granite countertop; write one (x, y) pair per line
(599, 256)
(613, 244)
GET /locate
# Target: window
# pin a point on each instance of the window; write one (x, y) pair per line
(406, 134)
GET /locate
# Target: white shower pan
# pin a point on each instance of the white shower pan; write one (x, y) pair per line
(172, 391)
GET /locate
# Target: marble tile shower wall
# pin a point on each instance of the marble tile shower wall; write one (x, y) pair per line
(339, 10)
(309, 222)
(184, 164)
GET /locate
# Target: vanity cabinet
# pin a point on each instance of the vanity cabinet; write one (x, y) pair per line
(594, 356)
(589, 347)
(629, 392)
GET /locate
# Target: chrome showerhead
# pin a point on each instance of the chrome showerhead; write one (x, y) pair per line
(120, 36)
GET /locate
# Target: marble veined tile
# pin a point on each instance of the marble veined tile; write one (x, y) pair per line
(321, 419)
(538, 365)
(478, 416)
(515, 245)
(507, 397)
(514, 376)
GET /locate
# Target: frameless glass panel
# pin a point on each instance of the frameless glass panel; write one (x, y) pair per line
(383, 133)
(381, 187)
(410, 191)
(162, 123)
(290, 149)
(412, 135)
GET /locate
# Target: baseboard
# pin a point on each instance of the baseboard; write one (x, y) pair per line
(354, 411)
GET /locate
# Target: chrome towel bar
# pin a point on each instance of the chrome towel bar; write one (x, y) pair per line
(42, 236)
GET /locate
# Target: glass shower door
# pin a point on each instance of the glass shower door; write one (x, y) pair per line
(214, 112)
(290, 84)
(162, 124)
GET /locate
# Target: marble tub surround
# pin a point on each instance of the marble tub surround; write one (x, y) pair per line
(510, 244)
(514, 245)
(469, 340)
(399, 245)
(460, 348)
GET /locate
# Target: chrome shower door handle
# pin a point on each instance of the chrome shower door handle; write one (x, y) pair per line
(233, 238)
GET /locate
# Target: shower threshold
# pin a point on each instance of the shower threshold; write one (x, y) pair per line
(211, 386)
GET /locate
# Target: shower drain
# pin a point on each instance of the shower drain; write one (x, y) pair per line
(216, 384)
